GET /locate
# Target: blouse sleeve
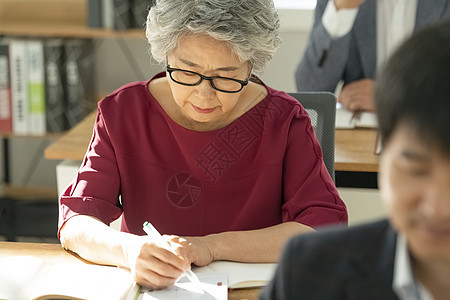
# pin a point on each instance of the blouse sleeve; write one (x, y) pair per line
(310, 195)
(95, 189)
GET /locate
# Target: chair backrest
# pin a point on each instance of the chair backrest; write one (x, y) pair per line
(321, 107)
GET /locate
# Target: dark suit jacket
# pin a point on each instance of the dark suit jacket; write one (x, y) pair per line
(339, 263)
(326, 61)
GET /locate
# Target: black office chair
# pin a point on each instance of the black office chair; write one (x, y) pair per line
(321, 107)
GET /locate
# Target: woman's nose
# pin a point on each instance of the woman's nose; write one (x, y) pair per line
(205, 89)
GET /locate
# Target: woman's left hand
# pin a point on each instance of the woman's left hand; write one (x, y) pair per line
(197, 249)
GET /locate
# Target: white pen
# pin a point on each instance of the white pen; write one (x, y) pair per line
(151, 231)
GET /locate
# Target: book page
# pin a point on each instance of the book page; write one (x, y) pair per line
(347, 119)
(213, 285)
(83, 281)
(35, 279)
(344, 118)
(16, 273)
(366, 119)
(242, 275)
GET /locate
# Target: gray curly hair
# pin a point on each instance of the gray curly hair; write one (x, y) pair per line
(250, 27)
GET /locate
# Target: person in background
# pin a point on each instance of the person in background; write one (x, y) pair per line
(406, 256)
(352, 39)
(225, 167)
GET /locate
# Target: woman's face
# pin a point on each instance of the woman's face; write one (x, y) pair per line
(202, 105)
(415, 186)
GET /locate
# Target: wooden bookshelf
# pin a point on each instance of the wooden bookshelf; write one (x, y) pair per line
(64, 31)
(53, 18)
(45, 19)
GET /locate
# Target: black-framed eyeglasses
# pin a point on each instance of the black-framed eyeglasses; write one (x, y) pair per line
(190, 78)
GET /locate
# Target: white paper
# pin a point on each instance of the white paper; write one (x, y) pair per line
(213, 286)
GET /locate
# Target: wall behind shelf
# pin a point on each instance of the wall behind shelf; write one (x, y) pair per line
(27, 166)
(114, 68)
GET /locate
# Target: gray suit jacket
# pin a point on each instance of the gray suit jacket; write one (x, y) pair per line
(326, 61)
(340, 263)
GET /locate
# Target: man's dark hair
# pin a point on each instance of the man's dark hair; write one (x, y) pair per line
(414, 87)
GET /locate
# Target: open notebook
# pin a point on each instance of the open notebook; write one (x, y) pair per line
(27, 277)
(242, 275)
(215, 279)
(211, 286)
(346, 119)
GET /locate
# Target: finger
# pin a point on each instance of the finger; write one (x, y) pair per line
(354, 106)
(180, 246)
(346, 102)
(179, 250)
(177, 239)
(172, 253)
(153, 280)
(346, 95)
(154, 253)
(173, 257)
(363, 103)
(342, 98)
(158, 266)
(175, 242)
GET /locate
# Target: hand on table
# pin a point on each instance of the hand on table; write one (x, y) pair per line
(197, 250)
(339, 4)
(158, 264)
(358, 95)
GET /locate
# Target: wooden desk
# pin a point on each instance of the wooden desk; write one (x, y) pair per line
(54, 253)
(353, 152)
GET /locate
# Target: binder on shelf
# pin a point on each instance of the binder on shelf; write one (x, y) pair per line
(118, 14)
(122, 14)
(54, 85)
(79, 80)
(5, 89)
(95, 13)
(108, 14)
(19, 92)
(139, 11)
(36, 87)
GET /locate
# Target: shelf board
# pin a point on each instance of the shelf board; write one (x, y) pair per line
(51, 29)
(49, 136)
(31, 193)
(74, 143)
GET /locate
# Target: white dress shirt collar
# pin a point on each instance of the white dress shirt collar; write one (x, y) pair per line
(404, 284)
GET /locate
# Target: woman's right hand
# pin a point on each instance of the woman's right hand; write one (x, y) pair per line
(347, 4)
(156, 265)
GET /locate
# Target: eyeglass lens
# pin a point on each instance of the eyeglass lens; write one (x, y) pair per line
(193, 79)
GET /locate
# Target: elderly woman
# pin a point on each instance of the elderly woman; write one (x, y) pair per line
(222, 165)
